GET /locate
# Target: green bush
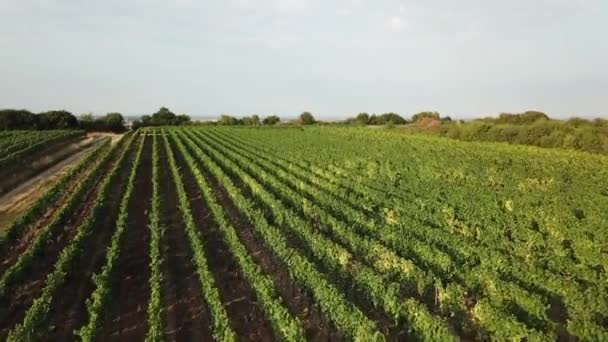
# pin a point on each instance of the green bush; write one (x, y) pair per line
(579, 134)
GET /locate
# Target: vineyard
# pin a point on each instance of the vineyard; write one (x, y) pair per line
(321, 233)
(16, 145)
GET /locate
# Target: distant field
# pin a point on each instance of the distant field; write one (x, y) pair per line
(319, 233)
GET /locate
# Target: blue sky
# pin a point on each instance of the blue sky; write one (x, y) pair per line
(334, 58)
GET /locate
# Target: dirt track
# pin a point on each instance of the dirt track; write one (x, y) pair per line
(19, 199)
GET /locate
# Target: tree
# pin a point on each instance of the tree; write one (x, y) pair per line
(253, 120)
(164, 117)
(306, 118)
(228, 120)
(114, 122)
(271, 120)
(391, 119)
(521, 119)
(88, 117)
(373, 120)
(362, 118)
(386, 119)
(111, 122)
(57, 119)
(431, 115)
(17, 119)
(182, 119)
(146, 120)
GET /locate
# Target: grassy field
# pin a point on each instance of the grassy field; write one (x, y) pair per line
(316, 233)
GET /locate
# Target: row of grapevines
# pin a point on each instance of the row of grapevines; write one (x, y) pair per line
(480, 255)
(97, 300)
(59, 217)
(382, 232)
(494, 270)
(18, 228)
(155, 332)
(29, 328)
(347, 318)
(381, 259)
(286, 326)
(332, 198)
(23, 139)
(482, 215)
(221, 327)
(40, 145)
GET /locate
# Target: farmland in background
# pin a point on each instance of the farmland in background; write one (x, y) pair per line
(316, 233)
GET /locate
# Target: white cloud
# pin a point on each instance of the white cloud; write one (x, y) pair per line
(396, 24)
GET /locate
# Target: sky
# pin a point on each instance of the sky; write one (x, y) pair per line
(334, 58)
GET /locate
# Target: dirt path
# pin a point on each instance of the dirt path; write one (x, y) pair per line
(68, 308)
(113, 136)
(185, 313)
(14, 174)
(17, 201)
(21, 294)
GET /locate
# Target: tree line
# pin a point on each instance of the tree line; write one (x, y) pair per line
(11, 119)
(533, 128)
(529, 128)
(163, 117)
(21, 119)
(307, 118)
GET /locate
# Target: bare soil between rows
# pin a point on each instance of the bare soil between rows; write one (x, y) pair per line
(246, 316)
(385, 324)
(126, 314)
(297, 300)
(68, 308)
(20, 295)
(186, 316)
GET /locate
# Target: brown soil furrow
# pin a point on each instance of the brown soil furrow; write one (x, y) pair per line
(341, 281)
(68, 311)
(246, 316)
(126, 318)
(185, 313)
(296, 299)
(21, 295)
